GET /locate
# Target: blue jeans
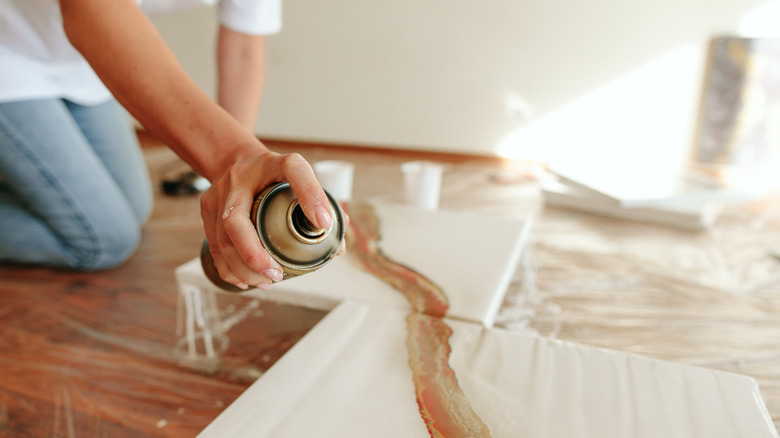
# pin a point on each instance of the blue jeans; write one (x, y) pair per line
(74, 187)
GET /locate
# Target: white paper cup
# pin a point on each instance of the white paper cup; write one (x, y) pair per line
(336, 177)
(422, 183)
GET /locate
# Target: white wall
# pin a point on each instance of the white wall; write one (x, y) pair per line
(460, 76)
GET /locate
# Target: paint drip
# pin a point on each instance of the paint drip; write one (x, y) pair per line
(442, 403)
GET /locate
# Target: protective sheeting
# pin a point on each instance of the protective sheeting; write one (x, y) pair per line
(97, 355)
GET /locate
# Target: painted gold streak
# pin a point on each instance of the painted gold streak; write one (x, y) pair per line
(443, 405)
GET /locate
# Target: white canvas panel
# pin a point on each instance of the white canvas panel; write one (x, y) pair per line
(470, 257)
(350, 377)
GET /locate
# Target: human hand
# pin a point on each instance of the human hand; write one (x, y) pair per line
(225, 209)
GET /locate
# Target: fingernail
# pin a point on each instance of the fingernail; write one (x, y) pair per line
(323, 217)
(264, 286)
(242, 286)
(273, 274)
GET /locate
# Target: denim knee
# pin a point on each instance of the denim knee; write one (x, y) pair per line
(105, 249)
(76, 191)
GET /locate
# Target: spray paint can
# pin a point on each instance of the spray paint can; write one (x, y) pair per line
(287, 234)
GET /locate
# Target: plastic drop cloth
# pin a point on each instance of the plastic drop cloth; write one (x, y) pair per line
(99, 354)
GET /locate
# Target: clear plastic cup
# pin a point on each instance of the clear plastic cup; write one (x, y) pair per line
(422, 183)
(336, 177)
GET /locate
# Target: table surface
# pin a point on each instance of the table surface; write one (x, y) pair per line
(96, 354)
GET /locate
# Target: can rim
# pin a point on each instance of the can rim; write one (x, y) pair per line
(320, 261)
(300, 231)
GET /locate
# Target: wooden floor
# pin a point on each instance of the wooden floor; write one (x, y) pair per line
(98, 355)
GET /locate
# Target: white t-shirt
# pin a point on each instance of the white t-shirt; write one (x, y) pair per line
(37, 60)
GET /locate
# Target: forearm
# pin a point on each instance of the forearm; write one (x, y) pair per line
(241, 74)
(128, 54)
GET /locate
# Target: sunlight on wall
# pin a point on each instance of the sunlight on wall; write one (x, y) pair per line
(644, 118)
(761, 22)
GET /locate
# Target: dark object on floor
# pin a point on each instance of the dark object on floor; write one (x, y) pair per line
(184, 183)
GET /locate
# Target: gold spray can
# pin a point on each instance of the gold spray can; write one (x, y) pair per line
(287, 234)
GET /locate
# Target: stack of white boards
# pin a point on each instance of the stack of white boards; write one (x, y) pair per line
(681, 199)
